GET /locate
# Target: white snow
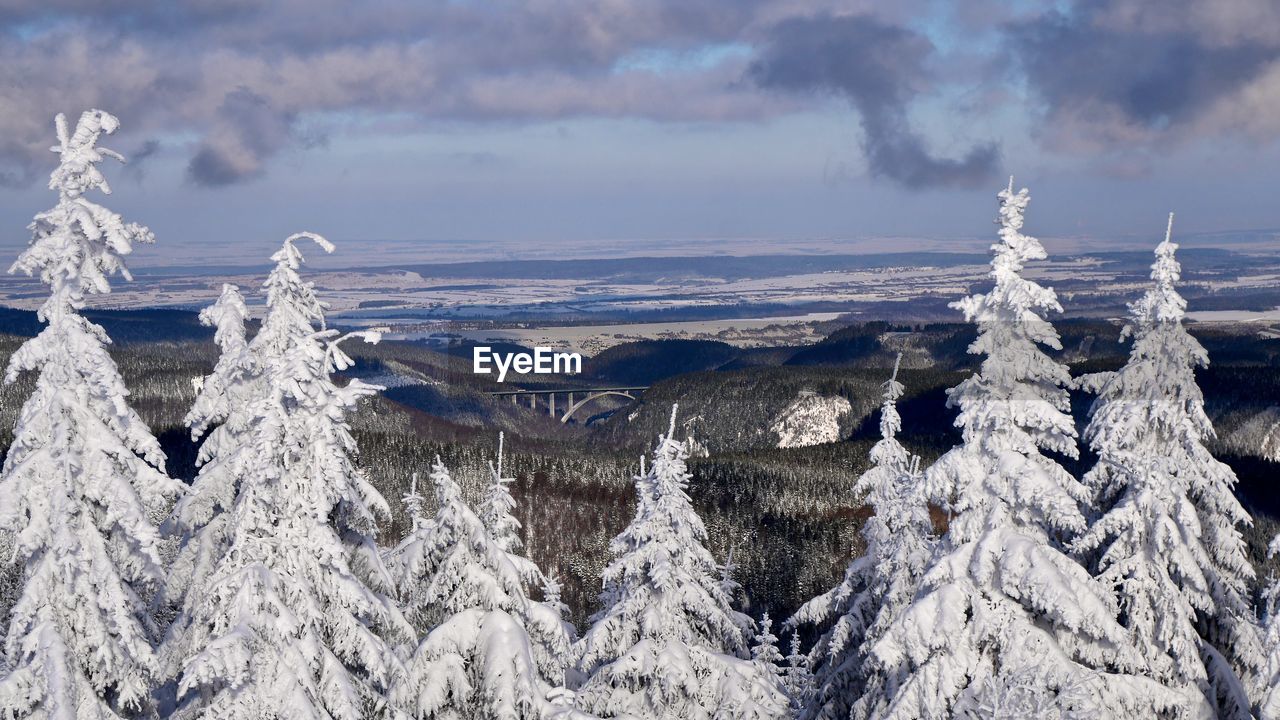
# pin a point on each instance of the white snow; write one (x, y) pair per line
(810, 419)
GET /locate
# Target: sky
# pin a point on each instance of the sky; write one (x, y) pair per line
(487, 124)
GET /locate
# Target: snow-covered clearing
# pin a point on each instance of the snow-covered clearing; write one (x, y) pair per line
(811, 419)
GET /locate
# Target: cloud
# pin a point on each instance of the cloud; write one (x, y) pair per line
(247, 131)
(18, 166)
(137, 161)
(234, 84)
(1120, 75)
(70, 72)
(879, 68)
(243, 77)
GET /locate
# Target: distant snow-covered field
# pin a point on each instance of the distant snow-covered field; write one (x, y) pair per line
(1268, 316)
(749, 301)
(590, 339)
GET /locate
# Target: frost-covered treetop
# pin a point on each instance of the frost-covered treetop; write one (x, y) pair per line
(1016, 248)
(78, 170)
(413, 502)
(1162, 359)
(668, 446)
(495, 511)
(227, 317)
(214, 401)
(77, 245)
(291, 256)
(293, 308)
(888, 451)
(1161, 303)
(1018, 380)
(1014, 298)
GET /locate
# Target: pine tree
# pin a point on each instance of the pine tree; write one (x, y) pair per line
(409, 561)
(729, 584)
(667, 644)
(764, 651)
(797, 678)
(877, 585)
(552, 635)
(83, 483)
(1169, 541)
(555, 637)
(477, 662)
(229, 399)
(496, 509)
(1269, 700)
(198, 521)
(297, 621)
(220, 392)
(1000, 594)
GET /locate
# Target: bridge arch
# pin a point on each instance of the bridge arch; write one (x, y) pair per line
(568, 413)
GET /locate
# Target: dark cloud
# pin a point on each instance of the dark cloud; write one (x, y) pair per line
(247, 131)
(136, 162)
(1113, 73)
(879, 69)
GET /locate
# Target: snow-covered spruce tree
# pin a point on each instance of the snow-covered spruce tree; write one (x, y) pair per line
(765, 651)
(224, 402)
(552, 636)
(553, 629)
(228, 399)
(478, 661)
(496, 509)
(81, 486)
(220, 391)
(1169, 542)
(1000, 594)
(667, 644)
(407, 561)
(1269, 690)
(877, 585)
(797, 678)
(297, 621)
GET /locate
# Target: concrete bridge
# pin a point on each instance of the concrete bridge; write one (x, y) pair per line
(572, 398)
